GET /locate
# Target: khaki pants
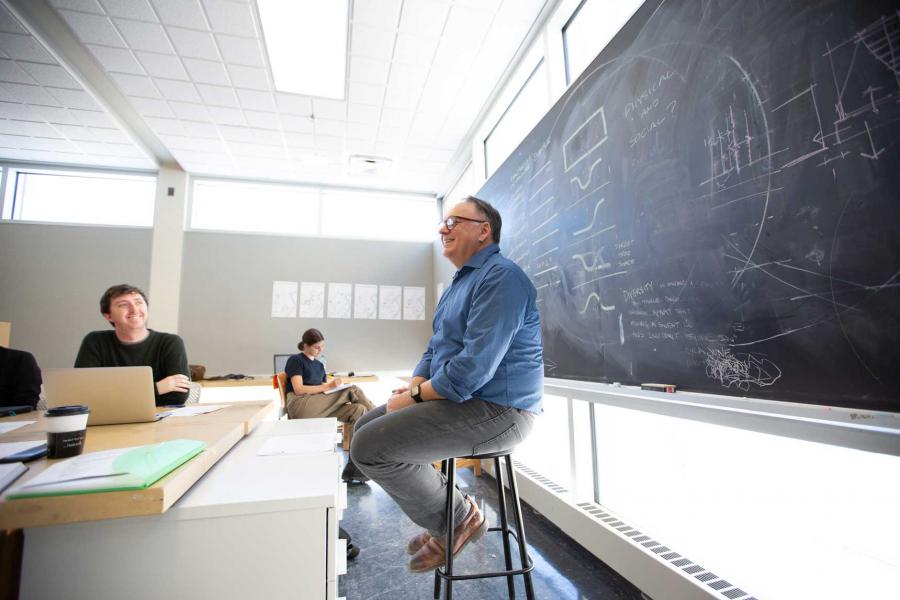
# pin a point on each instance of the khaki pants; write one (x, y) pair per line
(347, 406)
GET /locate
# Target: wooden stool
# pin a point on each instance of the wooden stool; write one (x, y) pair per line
(449, 469)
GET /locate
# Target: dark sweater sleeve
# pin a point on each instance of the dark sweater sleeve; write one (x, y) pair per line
(24, 380)
(173, 360)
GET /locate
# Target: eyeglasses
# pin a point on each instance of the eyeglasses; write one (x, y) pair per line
(451, 222)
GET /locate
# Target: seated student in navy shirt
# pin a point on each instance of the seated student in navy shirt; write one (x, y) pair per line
(305, 391)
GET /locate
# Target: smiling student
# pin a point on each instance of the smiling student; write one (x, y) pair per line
(132, 344)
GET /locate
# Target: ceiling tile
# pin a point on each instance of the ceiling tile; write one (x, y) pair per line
(145, 36)
(22, 112)
(227, 116)
(117, 60)
(415, 49)
(93, 29)
(267, 136)
(200, 129)
(362, 131)
(190, 111)
(54, 114)
(423, 17)
(75, 132)
(327, 142)
(152, 107)
(366, 93)
(231, 18)
(235, 134)
(9, 23)
(401, 97)
(299, 140)
(90, 6)
(293, 104)
(453, 55)
(136, 85)
(10, 71)
(29, 128)
(183, 13)
(207, 71)
(468, 24)
(193, 44)
(371, 42)
(162, 65)
(217, 95)
(240, 51)
(182, 91)
(363, 113)
(329, 109)
(24, 47)
(249, 77)
(301, 124)
(165, 126)
(391, 135)
(93, 118)
(109, 135)
(51, 75)
(130, 9)
(262, 120)
(256, 100)
(367, 70)
(377, 13)
(393, 117)
(408, 77)
(29, 94)
(329, 127)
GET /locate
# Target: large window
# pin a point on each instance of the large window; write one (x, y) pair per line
(523, 113)
(590, 28)
(79, 197)
(311, 211)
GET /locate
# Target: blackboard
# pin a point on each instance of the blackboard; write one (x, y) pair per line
(714, 204)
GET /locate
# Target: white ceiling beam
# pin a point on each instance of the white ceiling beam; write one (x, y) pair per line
(56, 36)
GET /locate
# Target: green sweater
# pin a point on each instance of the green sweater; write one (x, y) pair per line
(163, 352)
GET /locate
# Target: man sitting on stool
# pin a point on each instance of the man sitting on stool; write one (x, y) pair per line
(477, 388)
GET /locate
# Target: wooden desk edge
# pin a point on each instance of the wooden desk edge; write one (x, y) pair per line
(154, 500)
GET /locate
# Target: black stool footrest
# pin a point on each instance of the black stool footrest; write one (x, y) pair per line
(440, 573)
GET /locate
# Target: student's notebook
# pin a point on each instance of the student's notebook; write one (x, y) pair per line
(10, 472)
(110, 470)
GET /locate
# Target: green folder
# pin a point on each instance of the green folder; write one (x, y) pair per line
(110, 470)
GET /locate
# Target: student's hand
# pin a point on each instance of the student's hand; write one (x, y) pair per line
(399, 401)
(335, 383)
(173, 383)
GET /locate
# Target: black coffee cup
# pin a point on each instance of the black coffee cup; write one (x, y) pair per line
(66, 429)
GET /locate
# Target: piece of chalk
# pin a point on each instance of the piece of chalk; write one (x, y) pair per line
(659, 387)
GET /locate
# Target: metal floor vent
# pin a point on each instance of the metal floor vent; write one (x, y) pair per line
(701, 574)
(539, 478)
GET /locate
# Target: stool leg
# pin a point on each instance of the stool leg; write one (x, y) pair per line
(437, 579)
(504, 527)
(451, 487)
(520, 526)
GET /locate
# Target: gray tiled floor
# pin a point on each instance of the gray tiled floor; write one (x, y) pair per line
(563, 569)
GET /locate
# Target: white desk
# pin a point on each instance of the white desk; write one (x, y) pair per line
(252, 527)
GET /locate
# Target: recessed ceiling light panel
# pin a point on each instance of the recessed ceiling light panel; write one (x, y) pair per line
(307, 45)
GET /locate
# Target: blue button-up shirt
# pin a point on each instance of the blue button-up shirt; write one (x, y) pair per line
(487, 336)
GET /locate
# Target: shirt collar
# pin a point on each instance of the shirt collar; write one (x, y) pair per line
(482, 256)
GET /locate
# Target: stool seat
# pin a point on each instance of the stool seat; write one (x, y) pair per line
(448, 467)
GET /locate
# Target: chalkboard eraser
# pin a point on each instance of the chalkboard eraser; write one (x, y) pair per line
(658, 387)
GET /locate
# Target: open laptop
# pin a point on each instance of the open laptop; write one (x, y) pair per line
(114, 394)
(279, 361)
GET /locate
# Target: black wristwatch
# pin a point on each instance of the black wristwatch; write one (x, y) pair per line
(416, 393)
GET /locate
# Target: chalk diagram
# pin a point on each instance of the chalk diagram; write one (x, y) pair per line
(685, 133)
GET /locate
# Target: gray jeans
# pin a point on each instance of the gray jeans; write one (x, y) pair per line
(397, 450)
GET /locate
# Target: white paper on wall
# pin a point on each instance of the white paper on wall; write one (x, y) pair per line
(413, 303)
(284, 299)
(312, 299)
(389, 301)
(339, 300)
(365, 301)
